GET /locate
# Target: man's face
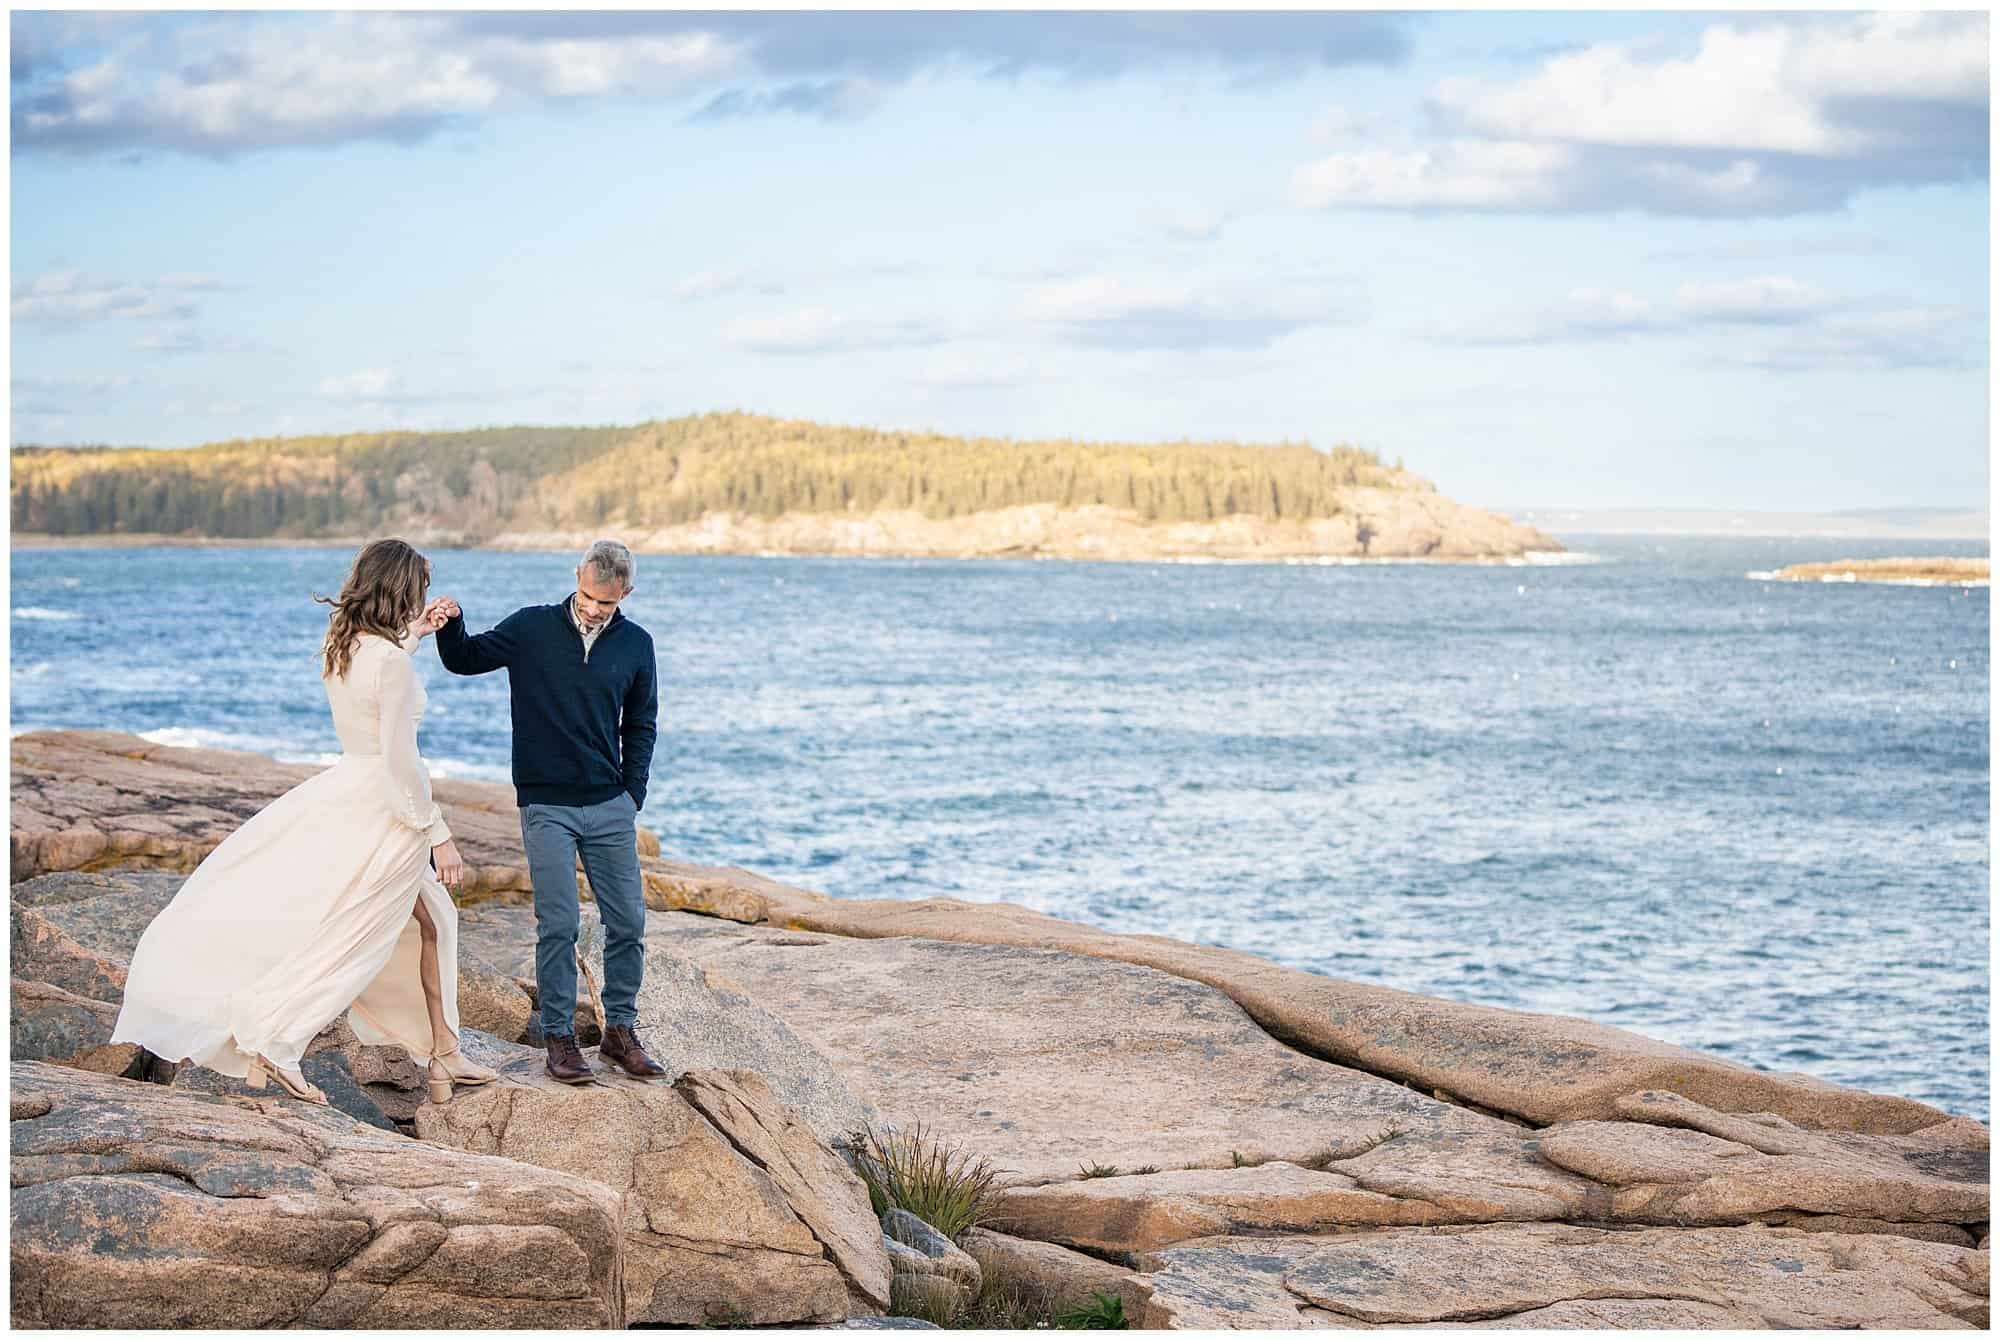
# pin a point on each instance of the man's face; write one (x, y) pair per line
(596, 599)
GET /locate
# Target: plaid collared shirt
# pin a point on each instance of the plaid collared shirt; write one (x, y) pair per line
(589, 635)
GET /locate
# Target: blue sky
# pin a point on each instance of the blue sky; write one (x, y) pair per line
(1629, 259)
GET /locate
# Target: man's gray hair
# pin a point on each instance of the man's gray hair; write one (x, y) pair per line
(609, 561)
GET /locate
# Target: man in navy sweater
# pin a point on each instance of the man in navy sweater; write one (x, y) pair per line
(584, 690)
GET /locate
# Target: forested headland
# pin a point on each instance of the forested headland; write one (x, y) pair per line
(486, 485)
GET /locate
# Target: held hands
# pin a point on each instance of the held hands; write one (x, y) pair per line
(440, 611)
(450, 865)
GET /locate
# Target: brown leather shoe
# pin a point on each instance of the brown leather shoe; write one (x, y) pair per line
(566, 1063)
(621, 1047)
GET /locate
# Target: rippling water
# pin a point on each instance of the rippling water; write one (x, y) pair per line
(1745, 816)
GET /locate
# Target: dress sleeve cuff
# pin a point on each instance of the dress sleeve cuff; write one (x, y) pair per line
(439, 833)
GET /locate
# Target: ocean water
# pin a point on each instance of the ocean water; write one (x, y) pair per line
(1744, 816)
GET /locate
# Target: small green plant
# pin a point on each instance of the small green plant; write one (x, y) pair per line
(1105, 1312)
(1145, 1168)
(1335, 1153)
(1099, 1170)
(1241, 1160)
(913, 1170)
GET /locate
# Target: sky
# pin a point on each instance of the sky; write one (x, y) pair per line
(1718, 260)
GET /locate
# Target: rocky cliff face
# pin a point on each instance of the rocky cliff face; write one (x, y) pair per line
(1383, 524)
(1216, 1140)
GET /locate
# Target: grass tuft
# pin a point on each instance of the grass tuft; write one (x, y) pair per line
(1009, 1302)
(947, 1188)
(1332, 1154)
(1099, 1170)
(927, 1300)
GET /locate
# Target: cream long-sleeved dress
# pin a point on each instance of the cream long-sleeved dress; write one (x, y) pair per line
(309, 907)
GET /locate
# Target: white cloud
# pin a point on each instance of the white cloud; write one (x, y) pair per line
(1190, 223)
(1883, 339)
(89, 384)
(574, 68)
(221, 85)
(233, 84)
(1781, 324)
(718, 283)
(1776, 116)
(826, 99)
(1583, 314)
(368, 384)
(1459, 174)
(1767, 300)
(1110, 312)
(1099, 298)
(818, 330)
(1774, 87)
(419, 401)
(1609, 309)
(186, 340)
(231, 409)
(65, 297)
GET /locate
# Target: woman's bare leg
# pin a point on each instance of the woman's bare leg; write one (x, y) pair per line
(433, 983)
(461, 1070)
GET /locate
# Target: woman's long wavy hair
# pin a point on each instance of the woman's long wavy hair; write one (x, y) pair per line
(384, 591)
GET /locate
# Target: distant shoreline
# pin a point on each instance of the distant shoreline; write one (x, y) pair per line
(1533, 558)
(1899, 571)
(122, 541)
(1381, 526)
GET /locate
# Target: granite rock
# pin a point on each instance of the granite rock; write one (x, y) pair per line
(134, 1205)
(761, 1232)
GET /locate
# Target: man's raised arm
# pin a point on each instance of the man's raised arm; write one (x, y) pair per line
(476, 653)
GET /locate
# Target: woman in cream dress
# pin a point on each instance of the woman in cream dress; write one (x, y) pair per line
(326, 899)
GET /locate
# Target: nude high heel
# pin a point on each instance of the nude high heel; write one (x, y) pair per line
(261, 1068)
(468, 1073)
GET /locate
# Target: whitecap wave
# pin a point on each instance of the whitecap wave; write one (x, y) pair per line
(1849, 578)
(458, 769)
(1564, 559)
(201, 737)
(289, 751)
(42, 614)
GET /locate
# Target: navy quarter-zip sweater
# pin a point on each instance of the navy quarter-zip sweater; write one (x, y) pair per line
(584, 724)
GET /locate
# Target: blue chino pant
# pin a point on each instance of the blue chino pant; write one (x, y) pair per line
(605, 836)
